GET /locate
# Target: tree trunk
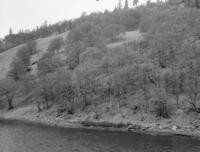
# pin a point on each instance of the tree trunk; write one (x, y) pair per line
(39, 106)
(177, 100)
(10, 106)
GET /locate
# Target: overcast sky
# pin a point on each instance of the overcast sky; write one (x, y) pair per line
(27, 14)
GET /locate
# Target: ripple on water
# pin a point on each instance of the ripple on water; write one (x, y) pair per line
(19, 137)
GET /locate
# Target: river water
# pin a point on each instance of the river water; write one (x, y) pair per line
(22, 137)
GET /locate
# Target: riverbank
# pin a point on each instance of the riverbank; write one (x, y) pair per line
(29, 114)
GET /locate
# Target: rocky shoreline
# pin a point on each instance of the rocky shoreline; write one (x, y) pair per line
(156, 129)
(129, 126)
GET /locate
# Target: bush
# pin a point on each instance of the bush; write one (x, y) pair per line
(65, 89)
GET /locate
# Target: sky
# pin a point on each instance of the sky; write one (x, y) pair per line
(27, 14)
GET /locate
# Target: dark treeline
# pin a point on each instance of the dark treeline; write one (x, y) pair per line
(116, 17)
(12, 40)
(188, 3)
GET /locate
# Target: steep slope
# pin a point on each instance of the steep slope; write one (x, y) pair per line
(6, 59)
(8, 56)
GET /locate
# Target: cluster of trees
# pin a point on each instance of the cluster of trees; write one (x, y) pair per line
(8, 90)
(48, 64)
(187, 3)
(21, 63)
(192, 3)
(163, 66)
(16, 78)
(1, 46)
(12, 40)
(123, 16)
(174, 43)
(90, 34)
(55, 45)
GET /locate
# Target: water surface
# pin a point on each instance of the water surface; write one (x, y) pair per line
(22, 137)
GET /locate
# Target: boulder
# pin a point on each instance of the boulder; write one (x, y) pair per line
(135, 127)
(174, 127)
(165, 126)
(160, 127)
(92, 115)
(130, 127)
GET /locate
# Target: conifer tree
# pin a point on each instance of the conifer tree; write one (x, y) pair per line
(10, 31)
(119, 5)
(126, 6)
(135, 2)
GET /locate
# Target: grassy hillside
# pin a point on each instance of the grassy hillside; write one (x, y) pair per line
(7, 57)
(129, 36)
